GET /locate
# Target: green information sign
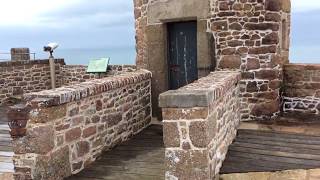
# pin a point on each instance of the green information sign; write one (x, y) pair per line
(98, 65)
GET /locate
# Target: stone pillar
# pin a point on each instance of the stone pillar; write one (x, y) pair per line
(20, 54)
(200, 122)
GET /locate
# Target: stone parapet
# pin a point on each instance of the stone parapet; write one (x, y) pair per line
(302, 89)
(69, 127)
(67, 94)
(75, 74)
(200, 122)
(19, 77)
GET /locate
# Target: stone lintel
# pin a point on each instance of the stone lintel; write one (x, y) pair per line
(185, 99)
(201, 93)
(160, 11)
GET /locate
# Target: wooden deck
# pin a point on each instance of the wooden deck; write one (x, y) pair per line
(141, 158)
(254, 150)
(6, 152)
(265, 151)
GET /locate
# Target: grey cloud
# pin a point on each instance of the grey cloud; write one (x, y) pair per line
(97, 13)
(94, 24)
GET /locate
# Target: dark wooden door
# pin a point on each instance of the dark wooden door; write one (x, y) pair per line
(182, 38)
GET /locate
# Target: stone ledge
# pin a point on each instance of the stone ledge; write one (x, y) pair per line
(302, 66)
(27, 62)
(79, 91)
(202, 92)
(189, 98)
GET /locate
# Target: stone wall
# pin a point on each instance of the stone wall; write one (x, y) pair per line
(69, 127)
(302, 90)
(253, 36)
(74, 74)
(200, 122)
(18, 77)
(240, 35)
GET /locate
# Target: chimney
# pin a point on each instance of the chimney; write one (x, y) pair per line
(20, 54)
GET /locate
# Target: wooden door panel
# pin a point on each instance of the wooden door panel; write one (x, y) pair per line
(182, 38)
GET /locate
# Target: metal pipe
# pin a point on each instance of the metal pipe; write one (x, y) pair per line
(52, 71)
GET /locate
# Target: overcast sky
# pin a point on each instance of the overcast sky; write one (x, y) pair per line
(110, 23)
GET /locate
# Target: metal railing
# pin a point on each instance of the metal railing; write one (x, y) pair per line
(8, 56)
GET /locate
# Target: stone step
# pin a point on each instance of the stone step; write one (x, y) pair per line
(6, 167)
(4, 127)
(6, 154)
(2, 135)
(6, 159)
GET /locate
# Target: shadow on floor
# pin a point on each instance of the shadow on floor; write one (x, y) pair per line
(141, 158)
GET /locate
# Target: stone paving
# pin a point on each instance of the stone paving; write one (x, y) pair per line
(6, 163)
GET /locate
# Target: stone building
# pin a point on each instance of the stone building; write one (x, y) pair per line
(213, 63)
(180, 41)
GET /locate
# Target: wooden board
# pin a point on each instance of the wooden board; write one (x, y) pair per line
(265, 151)
(6, 151)
(141, 158)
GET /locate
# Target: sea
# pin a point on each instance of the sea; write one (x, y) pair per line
(118, 56)
(127, 55)
(305, 54)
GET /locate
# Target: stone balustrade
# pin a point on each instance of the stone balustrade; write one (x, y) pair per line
(302, 89)
(69, 127)
(200, 122)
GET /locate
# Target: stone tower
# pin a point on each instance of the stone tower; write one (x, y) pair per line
(251, 36)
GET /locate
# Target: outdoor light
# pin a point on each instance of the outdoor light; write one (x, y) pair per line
(50, 48)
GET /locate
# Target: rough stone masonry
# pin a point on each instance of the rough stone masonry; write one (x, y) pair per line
(200, 122)
(60, 132)
(302, 90)
(250, 36)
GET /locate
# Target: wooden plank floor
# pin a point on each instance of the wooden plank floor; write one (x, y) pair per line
(141, 158)
(264, 151)
(6, 151)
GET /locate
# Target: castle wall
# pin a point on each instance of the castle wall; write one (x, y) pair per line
(249, 39)
(302, 90)
(200, 122)
(18, 77)
(68, 128)
(75, 74)
(250, 36)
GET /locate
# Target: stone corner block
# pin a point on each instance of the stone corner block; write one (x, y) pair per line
(38, 140)
(187, 164)
(171, 135)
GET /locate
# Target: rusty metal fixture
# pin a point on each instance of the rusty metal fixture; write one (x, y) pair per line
(18, 119)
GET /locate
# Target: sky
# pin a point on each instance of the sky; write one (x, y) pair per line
(99, 25)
